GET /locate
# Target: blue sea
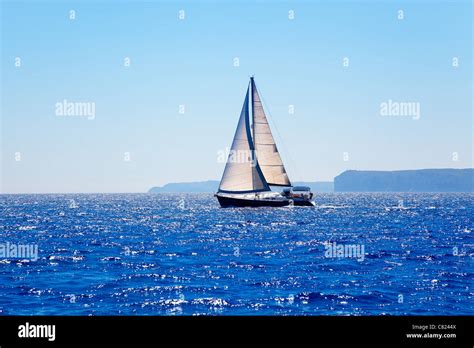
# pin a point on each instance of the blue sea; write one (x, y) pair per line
(164, 254)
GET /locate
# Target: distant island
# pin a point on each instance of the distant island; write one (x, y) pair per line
(212, 186)
(187, 187)
(422, 180)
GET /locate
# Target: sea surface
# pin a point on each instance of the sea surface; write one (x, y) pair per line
(164, 254)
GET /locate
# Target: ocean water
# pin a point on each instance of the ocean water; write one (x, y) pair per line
(145, 254)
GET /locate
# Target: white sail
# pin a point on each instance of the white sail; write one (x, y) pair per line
(242, 173)
(268, 156)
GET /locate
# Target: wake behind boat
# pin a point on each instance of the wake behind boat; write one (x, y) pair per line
(254, 164)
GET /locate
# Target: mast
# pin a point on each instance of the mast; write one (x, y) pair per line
(252, 84)
(253, 153)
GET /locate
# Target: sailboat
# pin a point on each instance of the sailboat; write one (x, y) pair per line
(254, 164)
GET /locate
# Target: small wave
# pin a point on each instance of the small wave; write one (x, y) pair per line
(331, 206)
(394, 263)
(214, 302)
(110, 258)
(310, 297)
(64, 258)
(172, 302)
(27, 228)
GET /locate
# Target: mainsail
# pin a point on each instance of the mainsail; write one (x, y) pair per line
(242, 172)
(268, 156)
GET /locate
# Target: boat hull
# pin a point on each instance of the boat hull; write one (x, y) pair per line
(226, 202)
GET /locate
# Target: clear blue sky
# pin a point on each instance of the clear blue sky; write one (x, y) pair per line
(190, 62)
